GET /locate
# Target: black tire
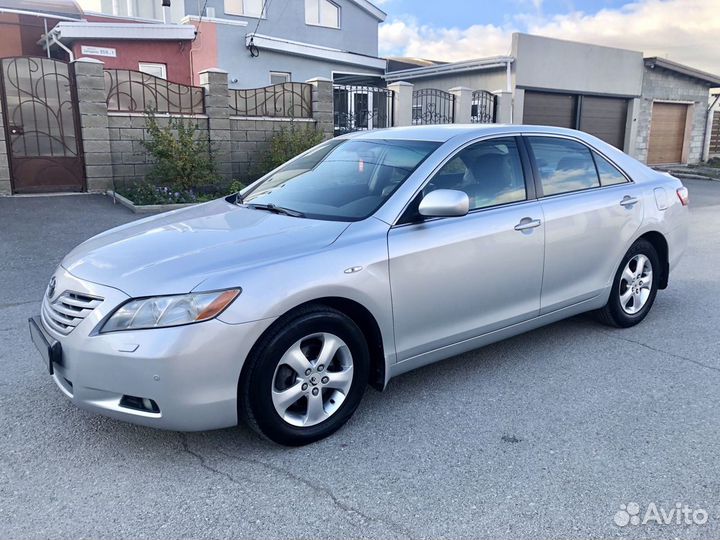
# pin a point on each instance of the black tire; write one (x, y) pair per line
(613, 313)
(254, 391)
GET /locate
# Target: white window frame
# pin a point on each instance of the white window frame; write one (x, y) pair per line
(242, 12)
(287, 74)
(319, 2)
(163, 68)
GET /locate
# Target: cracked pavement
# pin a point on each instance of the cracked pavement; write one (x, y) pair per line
(541, 436)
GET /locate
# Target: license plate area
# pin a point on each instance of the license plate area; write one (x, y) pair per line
(50, 349)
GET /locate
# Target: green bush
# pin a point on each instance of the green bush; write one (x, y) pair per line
(182, 161)
(287, 143)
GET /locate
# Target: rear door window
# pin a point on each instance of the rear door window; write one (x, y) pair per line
(564, 165)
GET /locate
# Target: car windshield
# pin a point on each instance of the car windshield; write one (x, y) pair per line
(345, 180)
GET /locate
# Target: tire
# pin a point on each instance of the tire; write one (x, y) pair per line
(625, 307)
(290, 361)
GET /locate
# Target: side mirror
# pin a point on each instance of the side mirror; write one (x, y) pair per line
(444, 203)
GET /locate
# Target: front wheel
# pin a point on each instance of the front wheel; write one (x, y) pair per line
(306, 377)
(634, 287)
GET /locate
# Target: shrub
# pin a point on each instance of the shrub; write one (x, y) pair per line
(287, 143)
(182, 161)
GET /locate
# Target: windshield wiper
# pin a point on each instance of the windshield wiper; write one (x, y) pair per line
(276, 209)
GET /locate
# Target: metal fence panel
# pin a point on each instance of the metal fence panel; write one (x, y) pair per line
(361, 107)
(483, 107)
(286, 100)
(135, 91)
(433, 106)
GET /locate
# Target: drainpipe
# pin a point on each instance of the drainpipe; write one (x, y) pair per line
(47, 40)
(708, 129)
(57, 42)
(508, 87)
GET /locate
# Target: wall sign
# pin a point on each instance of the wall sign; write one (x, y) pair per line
(98, 51)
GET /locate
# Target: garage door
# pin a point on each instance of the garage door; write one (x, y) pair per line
(542, 109)
(604, 117)
(667, 133)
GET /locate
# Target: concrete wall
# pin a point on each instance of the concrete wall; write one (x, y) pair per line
(663, 85)
(358, 29)
(545, 63)
(128, 157)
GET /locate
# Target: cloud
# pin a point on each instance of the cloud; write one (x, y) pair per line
(682, 30)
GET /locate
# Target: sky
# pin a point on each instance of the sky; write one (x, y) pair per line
(686, 31)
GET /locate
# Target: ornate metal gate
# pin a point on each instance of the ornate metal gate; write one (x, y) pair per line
(432, 106)
(483, 107)
(41, 125)
(358, 108)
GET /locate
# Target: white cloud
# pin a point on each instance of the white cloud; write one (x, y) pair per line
(682, 30)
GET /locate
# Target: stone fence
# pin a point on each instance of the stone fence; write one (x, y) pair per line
(111, 107)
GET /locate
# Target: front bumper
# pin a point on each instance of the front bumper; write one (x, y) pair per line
(191, 372)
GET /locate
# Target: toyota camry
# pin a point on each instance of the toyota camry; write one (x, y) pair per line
(367, 256)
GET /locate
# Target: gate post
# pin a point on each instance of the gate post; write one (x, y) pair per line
(462, 113)
(5, 187)
(504, 108)
(322, 105)
(93, 128)
(217, 108)
(402, 103)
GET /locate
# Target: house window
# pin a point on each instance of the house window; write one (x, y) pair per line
(322, 13)
(141, 9)
(157, 70)
(279, 77)
(245, 8)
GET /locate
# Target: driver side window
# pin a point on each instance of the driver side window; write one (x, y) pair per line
(490, 172)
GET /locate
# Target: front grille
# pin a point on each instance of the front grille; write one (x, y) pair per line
(68, 310)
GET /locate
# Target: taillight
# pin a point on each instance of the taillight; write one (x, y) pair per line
(682, 194)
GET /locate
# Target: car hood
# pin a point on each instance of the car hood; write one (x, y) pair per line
(176, 251)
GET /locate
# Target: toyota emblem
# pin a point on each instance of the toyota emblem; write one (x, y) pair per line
(51, 287)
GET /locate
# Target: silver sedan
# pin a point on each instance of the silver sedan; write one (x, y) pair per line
(367, 256)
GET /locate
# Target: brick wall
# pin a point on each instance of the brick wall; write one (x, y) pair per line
(663, 85)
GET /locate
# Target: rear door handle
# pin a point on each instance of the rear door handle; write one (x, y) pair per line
(628, 201)
(527, 223)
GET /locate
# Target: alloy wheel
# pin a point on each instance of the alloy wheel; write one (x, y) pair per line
(312, 379)
(636, 283)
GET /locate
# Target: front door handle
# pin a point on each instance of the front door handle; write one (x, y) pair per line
(628, 201)
(527, 223)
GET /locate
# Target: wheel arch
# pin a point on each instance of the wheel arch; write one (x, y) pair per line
(361, 316)
(660, 244)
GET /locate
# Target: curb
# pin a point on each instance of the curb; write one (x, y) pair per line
(145, 208)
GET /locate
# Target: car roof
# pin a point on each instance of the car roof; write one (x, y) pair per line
(445, 132)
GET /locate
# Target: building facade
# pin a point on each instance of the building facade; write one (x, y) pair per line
(654, 109)
(261, 43)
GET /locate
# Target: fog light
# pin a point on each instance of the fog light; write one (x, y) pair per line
(140, 404)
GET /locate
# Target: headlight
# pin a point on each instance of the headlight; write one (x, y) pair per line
(163, 311)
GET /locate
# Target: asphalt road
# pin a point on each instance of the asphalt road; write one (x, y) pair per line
(541, 436)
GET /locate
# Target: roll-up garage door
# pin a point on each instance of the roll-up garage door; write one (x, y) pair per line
(604, 117)
(545, 109)
(667, 133)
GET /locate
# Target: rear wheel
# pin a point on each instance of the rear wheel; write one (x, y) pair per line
(634, 287)
(306, 377)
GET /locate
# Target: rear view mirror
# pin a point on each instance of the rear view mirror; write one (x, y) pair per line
(444, 203)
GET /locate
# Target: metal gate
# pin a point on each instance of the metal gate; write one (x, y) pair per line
(41, 125)
(358, 108)
(432, 106)
(483, 107)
